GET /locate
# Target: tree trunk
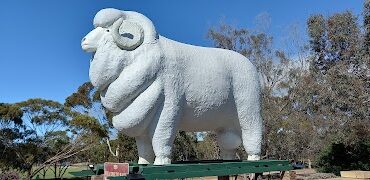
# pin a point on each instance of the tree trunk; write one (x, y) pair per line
(55, 170)
(309, 164)
(29, 174)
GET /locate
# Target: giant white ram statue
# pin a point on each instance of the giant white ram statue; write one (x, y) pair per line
(156, 86)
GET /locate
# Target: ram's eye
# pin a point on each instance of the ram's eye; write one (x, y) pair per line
(107, 30)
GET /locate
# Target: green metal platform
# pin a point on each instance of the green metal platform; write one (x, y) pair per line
(189, 169)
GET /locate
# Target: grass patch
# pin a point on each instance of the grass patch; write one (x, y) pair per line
(50, 173)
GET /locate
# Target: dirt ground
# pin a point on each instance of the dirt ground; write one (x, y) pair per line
(306, 174)
(303, 174)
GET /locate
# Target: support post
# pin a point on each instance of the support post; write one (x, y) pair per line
(222, 177)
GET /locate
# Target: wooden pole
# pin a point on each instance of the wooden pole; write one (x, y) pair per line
(222, 177)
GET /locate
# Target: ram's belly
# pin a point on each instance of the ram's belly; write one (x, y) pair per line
(209, 103)
(208, 92)
(196, 118)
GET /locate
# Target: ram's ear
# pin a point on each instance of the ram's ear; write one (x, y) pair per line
(127, 35)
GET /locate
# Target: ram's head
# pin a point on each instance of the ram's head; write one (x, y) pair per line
(113, 42)
(127, 34)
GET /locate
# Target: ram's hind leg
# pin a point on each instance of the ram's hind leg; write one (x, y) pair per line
(228, 141)
(250, 121)
(247, 101)
(251, 126)
(252, 138)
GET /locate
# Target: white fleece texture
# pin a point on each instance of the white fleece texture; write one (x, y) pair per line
(164, 86)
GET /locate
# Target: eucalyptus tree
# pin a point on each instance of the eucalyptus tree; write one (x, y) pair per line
(279, 76)
(10, 131)
(26, 129)
(38, 133)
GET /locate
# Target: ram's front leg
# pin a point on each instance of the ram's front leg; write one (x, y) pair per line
(165, 132)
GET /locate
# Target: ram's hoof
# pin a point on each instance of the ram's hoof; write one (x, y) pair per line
(253, 157)
(143, 161)
(162, 161)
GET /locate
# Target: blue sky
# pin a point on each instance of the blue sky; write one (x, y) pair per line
(40, 53)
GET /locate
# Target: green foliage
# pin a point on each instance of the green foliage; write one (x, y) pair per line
(343, 36)
(9, 176)
(86, 100)
(10, 122)
(340, 157)
(10, 113)
(35, 134)
(318, 42)
(127, 148)
(304, 111)
(57, 139)
(366, 37)
(279, 117)
(208, 148)
(91, 121)
(81, 97)
(25, 142)
(184, 147)
(255, 46)
(327, 103)
(85, 122)
(43, 116)
(333, 39)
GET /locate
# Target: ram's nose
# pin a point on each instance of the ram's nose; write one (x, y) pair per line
(83, 42)
(87, 47)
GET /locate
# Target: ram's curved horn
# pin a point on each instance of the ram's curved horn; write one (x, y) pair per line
(127, 35)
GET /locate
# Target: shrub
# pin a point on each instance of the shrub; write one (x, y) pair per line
(339, 157)
(9, 176)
